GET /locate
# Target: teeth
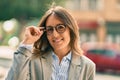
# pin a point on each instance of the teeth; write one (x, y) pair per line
(57, 40)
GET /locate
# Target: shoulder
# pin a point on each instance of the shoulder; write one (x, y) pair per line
(82, 60)
(88, 67)
(86, 61)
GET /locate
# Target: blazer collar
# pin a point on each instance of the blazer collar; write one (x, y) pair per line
(76, 59)
(47, 65)
(74, 71)
(75, 67)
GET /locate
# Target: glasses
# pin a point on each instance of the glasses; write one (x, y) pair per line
(59, 28)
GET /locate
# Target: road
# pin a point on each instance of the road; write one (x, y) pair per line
(107, 76)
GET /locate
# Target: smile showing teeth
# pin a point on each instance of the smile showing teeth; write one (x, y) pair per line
(57, 40)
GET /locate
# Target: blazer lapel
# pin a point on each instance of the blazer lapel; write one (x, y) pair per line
(47, 66)
(75, 68)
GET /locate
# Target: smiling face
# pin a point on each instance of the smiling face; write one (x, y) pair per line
(58, 41)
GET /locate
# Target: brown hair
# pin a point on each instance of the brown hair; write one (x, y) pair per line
(42, 45)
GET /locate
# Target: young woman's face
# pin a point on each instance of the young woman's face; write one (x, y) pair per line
(57, 33)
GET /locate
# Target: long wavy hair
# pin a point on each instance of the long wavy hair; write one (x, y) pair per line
(42, 45)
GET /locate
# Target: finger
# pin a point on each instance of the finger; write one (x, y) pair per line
(37, 31)
(33, 30)
(27, 32)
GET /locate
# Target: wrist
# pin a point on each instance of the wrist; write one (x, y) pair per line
(28, 46)
(27, 42)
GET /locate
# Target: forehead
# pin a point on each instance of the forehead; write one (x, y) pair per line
(53, 20)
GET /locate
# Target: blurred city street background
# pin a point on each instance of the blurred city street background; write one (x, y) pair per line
(98, 22)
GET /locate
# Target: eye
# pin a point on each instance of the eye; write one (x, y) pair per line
(49, 30)
(61, 28)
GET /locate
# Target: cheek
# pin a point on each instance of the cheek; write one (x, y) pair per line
(67, 36)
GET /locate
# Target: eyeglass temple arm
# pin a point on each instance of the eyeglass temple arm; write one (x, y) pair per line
(43, 29)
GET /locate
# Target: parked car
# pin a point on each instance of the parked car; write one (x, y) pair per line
(105, 58)
(6, 56)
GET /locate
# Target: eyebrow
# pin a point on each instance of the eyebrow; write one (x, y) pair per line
(56, 25)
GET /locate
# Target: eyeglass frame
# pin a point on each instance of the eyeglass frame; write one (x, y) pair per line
(54, 28)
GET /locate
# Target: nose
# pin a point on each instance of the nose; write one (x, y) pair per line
(55, 33)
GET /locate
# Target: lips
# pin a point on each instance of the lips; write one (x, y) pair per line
(57, 40)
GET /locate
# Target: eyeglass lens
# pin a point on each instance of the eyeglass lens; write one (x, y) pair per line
(59, 28)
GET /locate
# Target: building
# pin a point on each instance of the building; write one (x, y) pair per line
(92, 14)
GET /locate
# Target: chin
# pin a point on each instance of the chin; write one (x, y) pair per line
(58, 48)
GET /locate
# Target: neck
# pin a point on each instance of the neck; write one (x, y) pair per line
(61, 53)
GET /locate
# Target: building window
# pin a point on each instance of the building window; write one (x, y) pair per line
(73, 4)
(84, 5)
(95, 4)
(118, 4)
(92, 4)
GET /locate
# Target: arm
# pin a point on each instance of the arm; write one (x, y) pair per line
(21, 61)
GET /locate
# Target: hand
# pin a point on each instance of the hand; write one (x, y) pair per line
(32, 34)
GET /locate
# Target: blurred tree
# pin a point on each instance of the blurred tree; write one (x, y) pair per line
(24, 9)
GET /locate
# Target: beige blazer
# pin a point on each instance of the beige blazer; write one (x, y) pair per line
(25, 68)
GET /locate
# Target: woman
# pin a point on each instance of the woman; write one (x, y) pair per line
(56, 53)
